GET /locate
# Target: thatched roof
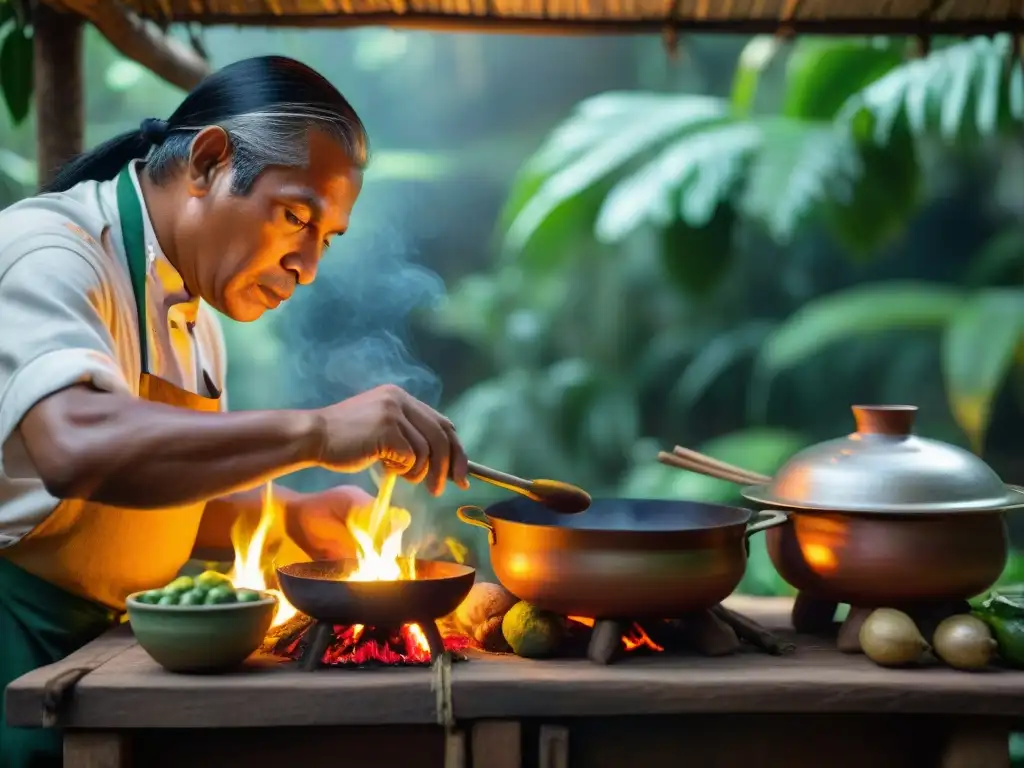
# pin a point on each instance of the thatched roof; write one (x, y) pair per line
(921, 17)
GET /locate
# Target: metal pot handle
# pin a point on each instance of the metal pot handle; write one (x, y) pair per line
(463, 514)
(769, 518)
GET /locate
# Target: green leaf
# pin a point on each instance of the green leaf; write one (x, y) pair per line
(962, 91)
(705, 163)
(881, 202)
(1000, 259)
(857, 311)
(799, 166)
(16, 73)
(697, 258)
(714, 359)
(823, 73)
(978, 350)
(623, 132)
(757, 56)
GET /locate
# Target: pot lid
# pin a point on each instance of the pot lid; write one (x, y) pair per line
(884, 468)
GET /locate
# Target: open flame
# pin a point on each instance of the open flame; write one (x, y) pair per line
(377, 530)
(634, 638)
(255, 551)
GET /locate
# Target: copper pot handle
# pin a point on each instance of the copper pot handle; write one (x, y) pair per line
(463, 514)
(769, 519)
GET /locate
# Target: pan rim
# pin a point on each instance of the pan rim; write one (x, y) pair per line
(459, 570)
(495, 512)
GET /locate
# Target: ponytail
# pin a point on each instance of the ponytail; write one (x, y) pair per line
(101, 164)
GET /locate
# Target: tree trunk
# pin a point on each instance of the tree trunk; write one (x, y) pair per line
(59, 93)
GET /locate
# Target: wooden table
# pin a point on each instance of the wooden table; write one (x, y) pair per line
(814, 708)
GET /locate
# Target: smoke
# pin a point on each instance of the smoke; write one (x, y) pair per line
(351, 331)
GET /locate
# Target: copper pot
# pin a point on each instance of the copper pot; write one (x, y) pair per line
(881, 516)
(622, 558)
(870, 560)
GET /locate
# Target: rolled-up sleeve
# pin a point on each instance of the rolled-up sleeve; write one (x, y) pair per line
(56, 313)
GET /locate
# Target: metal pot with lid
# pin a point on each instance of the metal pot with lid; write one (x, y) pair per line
(883, 517)
(883, 468)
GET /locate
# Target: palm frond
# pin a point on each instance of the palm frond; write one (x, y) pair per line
(937, 95)
(799, 165)
(705, 163)
(605, 136)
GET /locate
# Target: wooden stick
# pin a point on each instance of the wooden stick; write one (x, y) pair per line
(672, 460)
(685, 453)
(749, 630)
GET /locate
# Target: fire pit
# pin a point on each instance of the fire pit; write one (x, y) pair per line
(357, 622)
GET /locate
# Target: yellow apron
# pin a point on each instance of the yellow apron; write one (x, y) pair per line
(104, 553)
(65, 583)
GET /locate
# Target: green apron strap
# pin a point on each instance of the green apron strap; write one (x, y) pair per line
(134, 237)
(39, 625)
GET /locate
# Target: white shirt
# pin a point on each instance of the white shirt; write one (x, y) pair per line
(67, 316)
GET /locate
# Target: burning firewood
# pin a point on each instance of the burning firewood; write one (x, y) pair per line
(283, 635)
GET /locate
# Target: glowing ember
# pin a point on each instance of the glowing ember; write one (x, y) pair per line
(255, 549)
(359, 645)
(634, 638)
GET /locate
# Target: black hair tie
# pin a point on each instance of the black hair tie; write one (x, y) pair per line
(154, 130)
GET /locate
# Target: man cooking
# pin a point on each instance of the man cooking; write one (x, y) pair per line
(118, 454)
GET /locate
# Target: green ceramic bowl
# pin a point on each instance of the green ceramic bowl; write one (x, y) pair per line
(200, 638)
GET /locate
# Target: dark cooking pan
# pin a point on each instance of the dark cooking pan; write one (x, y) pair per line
(622, 558)
(318, 590)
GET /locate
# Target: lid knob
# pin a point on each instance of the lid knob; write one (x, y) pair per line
(897, 420)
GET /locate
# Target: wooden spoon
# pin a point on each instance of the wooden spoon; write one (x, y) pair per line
(555, 495)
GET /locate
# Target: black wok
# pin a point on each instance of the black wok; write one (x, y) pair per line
(319, 591)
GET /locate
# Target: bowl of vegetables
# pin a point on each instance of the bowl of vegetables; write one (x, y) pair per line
(200, 625)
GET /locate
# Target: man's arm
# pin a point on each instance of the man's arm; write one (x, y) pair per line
(213, 542)
(116, 449)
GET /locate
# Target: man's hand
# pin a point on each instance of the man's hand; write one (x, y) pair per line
(388, 424)
(316, 521)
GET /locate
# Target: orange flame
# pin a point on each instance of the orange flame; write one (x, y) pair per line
(255, 551)
(634, 638)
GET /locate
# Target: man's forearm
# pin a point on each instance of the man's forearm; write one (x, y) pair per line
(213, 542)
(120, 450)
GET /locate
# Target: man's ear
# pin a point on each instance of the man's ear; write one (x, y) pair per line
(209, 155)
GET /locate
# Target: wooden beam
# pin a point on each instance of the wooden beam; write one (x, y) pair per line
(58, 89)
(142, 42)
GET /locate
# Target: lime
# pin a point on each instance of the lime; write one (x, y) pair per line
(211, 579)
(152, 597)
(248, 596)
(168, 599)
(181, 584)
(221, 596)
(1003, 611)
(193, 597)
(532, 633)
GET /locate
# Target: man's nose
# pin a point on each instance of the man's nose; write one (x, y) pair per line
(304, 263)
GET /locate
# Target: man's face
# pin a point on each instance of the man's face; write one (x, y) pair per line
(251, 251)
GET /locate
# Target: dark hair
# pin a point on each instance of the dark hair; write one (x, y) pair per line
(265, 104)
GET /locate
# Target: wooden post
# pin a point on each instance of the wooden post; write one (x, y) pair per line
(59, 92)
(497, 744)
(94, 749)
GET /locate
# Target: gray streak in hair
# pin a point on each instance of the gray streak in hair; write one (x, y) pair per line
(260, 139)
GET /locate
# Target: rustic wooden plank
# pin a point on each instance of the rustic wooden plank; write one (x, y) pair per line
(497, 744)
(94, 749)
(32, 698)
(137, 693)
(131, 691)
(814, 679)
